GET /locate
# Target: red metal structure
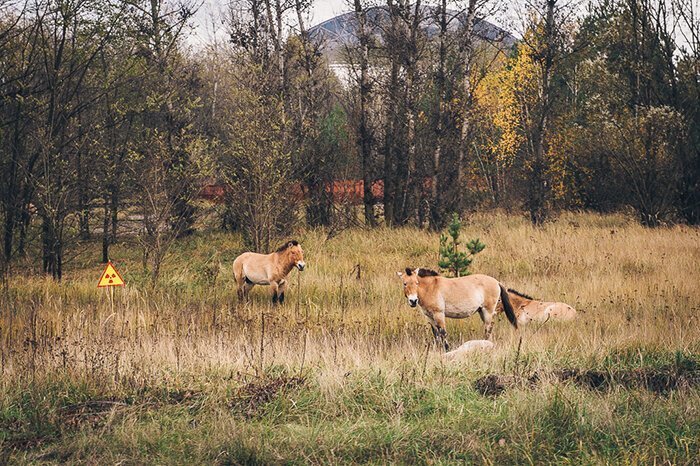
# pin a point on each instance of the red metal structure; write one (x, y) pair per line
(343, 191)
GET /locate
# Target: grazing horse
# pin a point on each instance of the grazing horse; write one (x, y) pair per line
(250, 269)
(457, 298)
(528, 309)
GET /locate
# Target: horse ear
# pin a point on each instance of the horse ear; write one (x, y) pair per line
(399, 274)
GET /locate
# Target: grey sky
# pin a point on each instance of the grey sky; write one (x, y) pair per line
(508, 14)
(207, 20)
(325, 9)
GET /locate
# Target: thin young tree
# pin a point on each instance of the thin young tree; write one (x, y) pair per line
(544, 44)
(365, 134)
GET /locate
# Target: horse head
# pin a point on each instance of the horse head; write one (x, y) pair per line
(292, 250)
(410, 285)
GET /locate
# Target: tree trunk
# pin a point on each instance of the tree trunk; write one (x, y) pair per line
(389, 198)
(466, 91)
(395, 149)
(274, 21)
(389, 159)
(364, 132)
(538, 187)
(12, 198)
(52, 248)
(436, 211)
(319, 205)
(114, 212)
(82, 185)
(105, 231)
(25, 219)
(83, 207)
(320, 201)
(415, 182)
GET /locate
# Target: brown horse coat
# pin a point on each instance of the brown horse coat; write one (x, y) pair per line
(251, 268)
(456, 298)
(528, 309)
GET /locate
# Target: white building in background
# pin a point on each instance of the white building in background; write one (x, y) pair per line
(338, 33)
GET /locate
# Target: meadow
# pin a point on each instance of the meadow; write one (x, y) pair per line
(345, 371)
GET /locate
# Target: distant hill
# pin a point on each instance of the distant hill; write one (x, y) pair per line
(340, 31)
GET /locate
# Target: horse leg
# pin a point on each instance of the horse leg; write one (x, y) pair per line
(488, 327)
(281, 289)
(274, 287)
(243, 284)
(436, 333)
(440, 323)
(244, 291)
(239, 284)
(243, 288)
(487, 318)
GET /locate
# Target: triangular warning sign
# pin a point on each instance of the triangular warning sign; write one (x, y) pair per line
(110, 277)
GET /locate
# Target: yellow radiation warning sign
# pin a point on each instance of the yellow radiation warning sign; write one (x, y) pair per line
(110, 277)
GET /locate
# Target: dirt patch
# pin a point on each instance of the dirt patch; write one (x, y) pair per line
(22, 442)
(89, 412)
(662, 380)
(253, 396)
(494, 384)
(93, 413)
(183, 396)
(22, 436)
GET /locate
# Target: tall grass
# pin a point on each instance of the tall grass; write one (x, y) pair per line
(345, 370)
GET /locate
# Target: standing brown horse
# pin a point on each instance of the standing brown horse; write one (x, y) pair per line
(457, 298)
(528, 309)
(251, 268)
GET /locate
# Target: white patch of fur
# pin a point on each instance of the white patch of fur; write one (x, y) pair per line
(469, 347)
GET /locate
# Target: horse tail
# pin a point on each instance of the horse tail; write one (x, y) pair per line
(238, 270)
(508, 307)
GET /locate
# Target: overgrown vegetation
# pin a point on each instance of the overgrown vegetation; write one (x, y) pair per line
(114, 126)
(109, 109)
(344, 371)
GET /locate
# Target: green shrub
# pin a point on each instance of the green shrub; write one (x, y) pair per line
(452, 260)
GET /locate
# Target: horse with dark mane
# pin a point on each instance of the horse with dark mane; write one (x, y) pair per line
(528, 309)
(251, 268)
(457, 298)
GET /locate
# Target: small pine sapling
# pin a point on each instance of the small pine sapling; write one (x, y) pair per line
(454, 261)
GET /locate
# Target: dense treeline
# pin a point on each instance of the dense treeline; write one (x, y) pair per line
(105, 109)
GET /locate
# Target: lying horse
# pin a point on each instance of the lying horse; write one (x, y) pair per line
(467, 348)
(528, 309)
(457, 298)
(250, 269)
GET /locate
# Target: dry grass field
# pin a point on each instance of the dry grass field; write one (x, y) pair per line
(344, 371)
